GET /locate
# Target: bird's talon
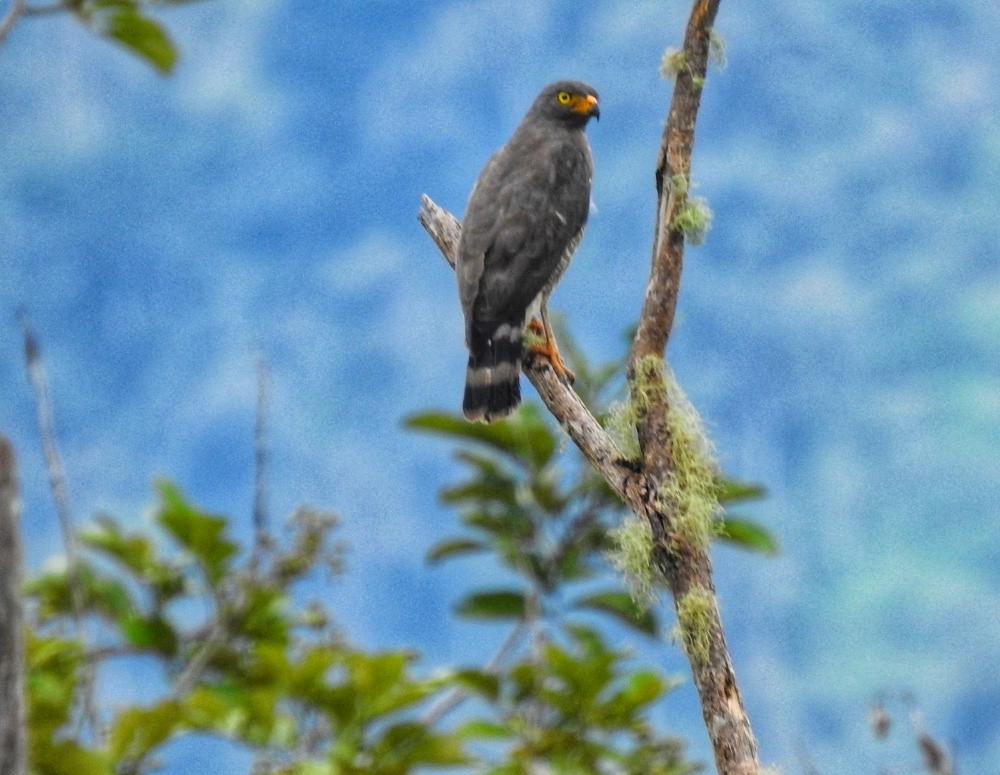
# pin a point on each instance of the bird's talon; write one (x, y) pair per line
(548, 351)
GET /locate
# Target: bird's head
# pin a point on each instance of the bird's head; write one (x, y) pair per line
(569, 102)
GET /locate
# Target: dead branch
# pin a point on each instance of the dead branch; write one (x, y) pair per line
(60, 496)
(12, 710)
(261, 518)
(15, 12)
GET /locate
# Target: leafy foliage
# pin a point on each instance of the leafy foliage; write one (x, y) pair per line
(568, 703)
(558, 698)
(240, 656)
(258, 668)
(578, 708)
(127, 23)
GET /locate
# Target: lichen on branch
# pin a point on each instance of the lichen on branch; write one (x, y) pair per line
(695, 614)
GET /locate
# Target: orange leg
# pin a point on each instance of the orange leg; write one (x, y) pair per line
(548, 349)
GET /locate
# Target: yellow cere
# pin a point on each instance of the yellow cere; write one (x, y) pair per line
(582, 103)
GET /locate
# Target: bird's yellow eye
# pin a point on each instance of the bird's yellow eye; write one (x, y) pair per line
(564, 98)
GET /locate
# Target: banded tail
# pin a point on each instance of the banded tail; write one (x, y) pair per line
(493, 378)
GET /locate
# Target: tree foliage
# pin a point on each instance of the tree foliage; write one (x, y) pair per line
(128, 23)
(238, 654)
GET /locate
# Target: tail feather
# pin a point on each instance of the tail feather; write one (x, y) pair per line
(492, 380)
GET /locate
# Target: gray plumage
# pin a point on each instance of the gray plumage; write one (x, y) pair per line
(524, 219)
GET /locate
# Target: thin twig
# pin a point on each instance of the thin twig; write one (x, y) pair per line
(536, 632)
(46, 10)
(60, 496)
(456, 697)
(194, 669)
(13, 733)
(103, 653)
(15, 12)
(261, 521)
(583, 522)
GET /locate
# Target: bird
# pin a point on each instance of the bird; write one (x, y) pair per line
(523, 221)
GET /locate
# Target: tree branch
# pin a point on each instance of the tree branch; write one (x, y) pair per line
(57, 484)
(261, 522)
(12, 711)
(16, 11)
(682, 562)
(457, 696)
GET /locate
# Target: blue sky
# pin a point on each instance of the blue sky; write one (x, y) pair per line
(838, 330)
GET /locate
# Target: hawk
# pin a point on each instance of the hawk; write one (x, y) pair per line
(524, 219)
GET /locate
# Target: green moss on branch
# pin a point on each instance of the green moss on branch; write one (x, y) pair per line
(694, 624)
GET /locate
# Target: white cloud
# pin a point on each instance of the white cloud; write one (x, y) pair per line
(222, 71)
(820, 293)
(370, 262)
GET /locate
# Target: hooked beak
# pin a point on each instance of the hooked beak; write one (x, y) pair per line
(588, 106)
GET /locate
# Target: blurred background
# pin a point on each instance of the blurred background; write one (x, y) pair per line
(838, 329)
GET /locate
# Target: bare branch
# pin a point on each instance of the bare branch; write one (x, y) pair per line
(673, 175)
(12, 710)
(261, 527)
(15, 12)
(45, 10)
(456, 697)
(57, 484)
(215, 636)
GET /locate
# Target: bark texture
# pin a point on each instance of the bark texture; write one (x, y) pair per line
(683, 563)
(12, 712)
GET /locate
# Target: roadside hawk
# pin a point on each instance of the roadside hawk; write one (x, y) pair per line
(524, 219)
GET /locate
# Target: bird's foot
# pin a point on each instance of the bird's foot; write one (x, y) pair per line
(544, 343)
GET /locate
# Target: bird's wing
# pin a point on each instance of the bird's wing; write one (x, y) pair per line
(540, 209)
(477, 235)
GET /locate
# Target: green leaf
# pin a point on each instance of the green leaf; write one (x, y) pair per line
(201, 534)
(484, 684)
(98, 593)
(482, 490)
(51, 673)
(218, 708)
(307, 677)
(514, 524)
(153, 633)
(487, 730)
(454, 547)
(142, 36)
(136, 554)
(523, 436)
(403, 745)
(264, 615)
(747, 535)
(621, 606)
(137, 731)
(641, 688)
(487, 464)
(500, 604)
(732, 490)
(66, 757)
